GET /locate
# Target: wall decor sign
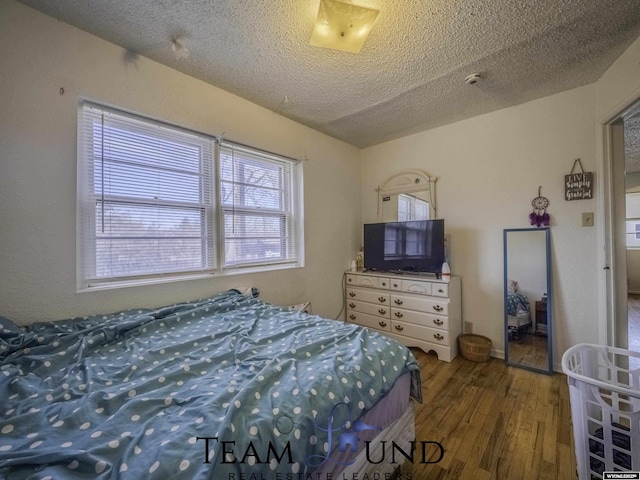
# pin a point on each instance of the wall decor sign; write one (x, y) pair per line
(578, 185)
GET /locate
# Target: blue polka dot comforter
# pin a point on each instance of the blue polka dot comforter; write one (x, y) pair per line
(224, 388)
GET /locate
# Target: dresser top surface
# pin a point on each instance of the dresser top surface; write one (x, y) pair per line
(426, 277)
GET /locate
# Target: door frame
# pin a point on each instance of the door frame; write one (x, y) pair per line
(611, 255)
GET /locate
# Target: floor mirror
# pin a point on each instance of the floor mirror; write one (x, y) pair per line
(528, 321)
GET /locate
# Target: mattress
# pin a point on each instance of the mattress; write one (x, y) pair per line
(519, 320)
(386, 449)
(214, 388)
(390, 420)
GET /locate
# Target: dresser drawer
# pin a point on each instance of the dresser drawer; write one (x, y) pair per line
(367, 281)
(418, 318)
(440, 290)
(437, 321)
(425, 305)
(379, 298)
(364, 307)
(416, 286)
(427, 334)
(369, 321)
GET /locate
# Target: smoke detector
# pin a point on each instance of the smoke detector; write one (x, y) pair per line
(472, 79)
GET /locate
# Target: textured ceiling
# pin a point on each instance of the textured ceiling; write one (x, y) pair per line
(410, 73)
(632, 144)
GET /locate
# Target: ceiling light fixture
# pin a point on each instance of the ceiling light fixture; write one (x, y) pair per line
(342, 26)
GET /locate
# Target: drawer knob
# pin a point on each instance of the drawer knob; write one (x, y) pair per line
(398, 301)
(399, 314)
(440, 290)
(395, 285)
(437, 336)
(399, 328)
(352, 316)
(382, 299)
(352, 305)
(438, 321)
(384, 284)
(382, 324)
(438, 308)
(382, 311)
(352, 294)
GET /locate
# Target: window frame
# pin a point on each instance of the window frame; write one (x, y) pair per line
(632, 231)
(212, 226)
(288, 212)
(412, 204)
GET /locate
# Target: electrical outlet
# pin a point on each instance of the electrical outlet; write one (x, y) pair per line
(587, 219)
(468, 327)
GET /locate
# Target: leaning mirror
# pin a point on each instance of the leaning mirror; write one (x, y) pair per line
(527, 299)
(406, 196)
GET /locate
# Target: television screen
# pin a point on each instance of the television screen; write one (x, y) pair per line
(416, 246)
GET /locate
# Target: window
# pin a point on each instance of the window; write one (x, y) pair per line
(148, 203)
(633, 233)
(403, 240)
(258, 205)
(412, 208)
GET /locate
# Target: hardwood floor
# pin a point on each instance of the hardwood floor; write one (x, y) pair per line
(529, 349)
(493, 421)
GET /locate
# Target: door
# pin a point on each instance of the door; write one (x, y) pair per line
(622, 206)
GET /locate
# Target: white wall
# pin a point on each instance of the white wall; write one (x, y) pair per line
(620, 84)
(489, 169)
(38, 171)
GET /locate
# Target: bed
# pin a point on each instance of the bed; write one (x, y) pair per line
(222, 388)
(518, 311)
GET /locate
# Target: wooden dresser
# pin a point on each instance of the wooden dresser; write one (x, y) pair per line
(417, 311)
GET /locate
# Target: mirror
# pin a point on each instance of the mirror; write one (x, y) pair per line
(403, 207)
(527, 299)
(408, 195)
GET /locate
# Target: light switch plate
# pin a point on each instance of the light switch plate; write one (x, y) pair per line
(587, 219)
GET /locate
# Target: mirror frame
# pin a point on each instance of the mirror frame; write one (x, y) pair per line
(549, 369)
(408, 181)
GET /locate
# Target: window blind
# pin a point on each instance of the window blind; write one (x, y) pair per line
(259, 200)
(146, 198)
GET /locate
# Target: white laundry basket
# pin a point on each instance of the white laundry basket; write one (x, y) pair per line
(605, 408)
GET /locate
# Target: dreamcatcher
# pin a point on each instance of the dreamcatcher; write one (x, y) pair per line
(539, 217)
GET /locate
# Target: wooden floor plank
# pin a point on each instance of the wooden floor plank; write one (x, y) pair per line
(493, 421)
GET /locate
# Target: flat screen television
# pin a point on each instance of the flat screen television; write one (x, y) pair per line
(415, 246)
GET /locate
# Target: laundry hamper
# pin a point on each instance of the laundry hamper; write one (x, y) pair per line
(604, 391)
